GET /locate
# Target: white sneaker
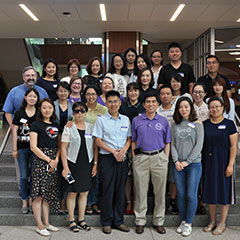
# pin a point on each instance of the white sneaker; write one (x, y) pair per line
(187, 230)
(180, 227)
(43, 232)
(52, 228)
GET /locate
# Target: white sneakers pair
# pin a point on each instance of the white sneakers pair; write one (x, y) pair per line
(184, 229)
(45, 232)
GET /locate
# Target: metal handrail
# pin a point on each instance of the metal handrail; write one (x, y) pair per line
(4, 142)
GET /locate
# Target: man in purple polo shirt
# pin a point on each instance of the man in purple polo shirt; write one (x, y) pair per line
(151, 137)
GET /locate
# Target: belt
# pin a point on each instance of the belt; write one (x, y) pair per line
(152, 152)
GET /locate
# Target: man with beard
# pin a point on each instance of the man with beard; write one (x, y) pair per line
(15, 96)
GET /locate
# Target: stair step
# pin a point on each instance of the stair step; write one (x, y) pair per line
(7, 169)
(10, 199)
(8, 184)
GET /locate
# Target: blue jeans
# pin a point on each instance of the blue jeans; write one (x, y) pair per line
(25, 160)
(93, 193)
(187, 182)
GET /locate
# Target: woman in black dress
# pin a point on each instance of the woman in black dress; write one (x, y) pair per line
(44, 144)
(76, 155)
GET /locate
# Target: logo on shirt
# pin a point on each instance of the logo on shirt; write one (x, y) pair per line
(158, 126)
(52, 132)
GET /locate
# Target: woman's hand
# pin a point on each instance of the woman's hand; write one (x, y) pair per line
(94, 170)
(53, 165)
(65, 172)
(229, 171)
(15, 154)
(69, 124)
(179, 166)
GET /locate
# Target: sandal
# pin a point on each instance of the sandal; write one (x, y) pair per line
(211, 226)
(96, 209)
(74, 228)
(89, 210)
(83, 226)
(221, 227)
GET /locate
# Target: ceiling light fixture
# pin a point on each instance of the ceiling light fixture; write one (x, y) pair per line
(28, 12)
(238, 59)
(103, 12)
(238, 20)
(177, 12)
(234, 53)
(219, 41)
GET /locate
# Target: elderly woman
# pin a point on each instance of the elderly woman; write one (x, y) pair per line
(219, 153)
(77, 155)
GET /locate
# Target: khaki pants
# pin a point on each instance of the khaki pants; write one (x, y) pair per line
(144, 167)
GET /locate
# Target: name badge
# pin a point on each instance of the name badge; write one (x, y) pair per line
(23, 120)
(55, 85)
(124, 128)
(192, 125)
(169, 115)
(222, 127)
(87, 135)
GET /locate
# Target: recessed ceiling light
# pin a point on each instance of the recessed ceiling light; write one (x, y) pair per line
(177, 12)
(103, 12)
(238, 20)
(238, 46)
(28, 12)
(237, 59)
(234, 53)
(66, 14)
(219, 41)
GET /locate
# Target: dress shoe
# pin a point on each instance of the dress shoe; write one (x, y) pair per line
(139, 229)
(106, 229)
(160, 229)
(122, 228)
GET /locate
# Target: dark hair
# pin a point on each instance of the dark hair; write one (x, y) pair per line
(215, 98)
(151, 94)
(73, 79)
(166, 86)
(156, 50)
(133, 85)
(123, 69)
(112, 93)
(39, 114)
(73, 61)
(96, 89)
(199, 84)
(140, 75)
(63, 84)
(212, 56)
(89, 66)
(129, 50)
(24, 102)
(226, 101)
(79, 104)
(50, 60)
(174, 45)
(177, 116)
(146, 60)
(180, 79)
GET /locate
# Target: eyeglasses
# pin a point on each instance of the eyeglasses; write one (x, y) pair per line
(215, 107)
(76, 83)
(73, 67)
(91, 94)
(213, 63)
(82, 110)
(198, 92)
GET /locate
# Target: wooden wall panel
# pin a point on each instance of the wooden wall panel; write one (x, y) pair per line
(62, 53)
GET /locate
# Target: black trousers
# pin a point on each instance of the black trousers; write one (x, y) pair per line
(113, 177)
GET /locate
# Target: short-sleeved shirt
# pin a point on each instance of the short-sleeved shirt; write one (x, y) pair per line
(23, 121)
(151, 134)
(15, 97)
(131, 111)
(50, 87)
(47, 134)
(184, 70)
(93, 114)
(114, 132)
(207, 80)
(168, 114)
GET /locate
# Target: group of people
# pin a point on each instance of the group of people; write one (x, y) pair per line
(103, 139)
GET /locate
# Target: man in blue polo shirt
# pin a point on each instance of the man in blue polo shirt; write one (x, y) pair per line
(14, 99)
(112, 133)
(151, 137)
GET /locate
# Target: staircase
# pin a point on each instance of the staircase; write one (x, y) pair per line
(10, 202)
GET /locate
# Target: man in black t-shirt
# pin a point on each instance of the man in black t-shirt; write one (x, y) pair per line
(213, 66)
(176, 67)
